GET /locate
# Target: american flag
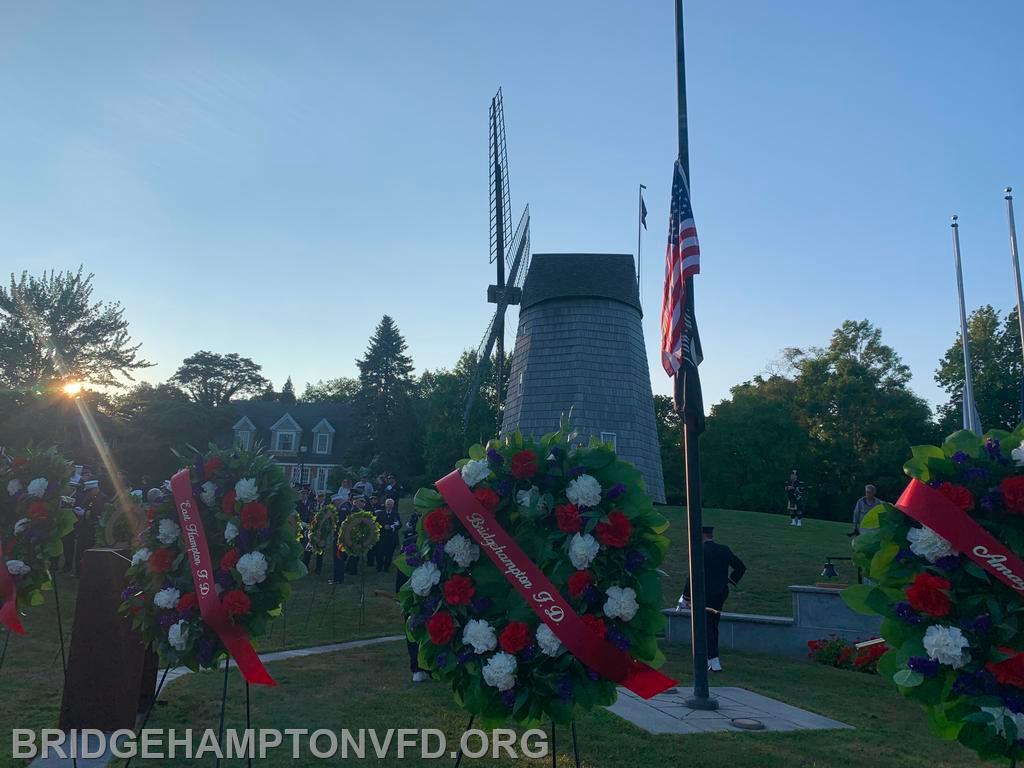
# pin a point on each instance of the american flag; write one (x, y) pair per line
(680, 342)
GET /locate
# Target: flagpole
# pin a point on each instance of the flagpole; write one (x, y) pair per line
(971, 420)
(639, 221)
(1016, 276)
(701, 698)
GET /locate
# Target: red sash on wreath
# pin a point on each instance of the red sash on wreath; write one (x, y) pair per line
(8, 597)
(234, 637)
(544, 598)
(929, 507)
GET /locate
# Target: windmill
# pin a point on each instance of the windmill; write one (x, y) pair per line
(510, 253)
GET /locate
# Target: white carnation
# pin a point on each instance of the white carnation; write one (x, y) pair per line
(177, 636)
(424, 578)
(252, 567)
(475, 471)
(1017, 454)
(584, 491)
(21, 525)
(230, 531)
(168, 532)
(947, 645)
(549, 644)
(141, 556)
(462, 550)
(582, 550)
(926, 543)
(480, 635)
(209, 493)
(621, 603)
(246, 490)
(38, 487)
(166, 598)
(500, 671)
(998, 724)
(13, 486)
(17, 567)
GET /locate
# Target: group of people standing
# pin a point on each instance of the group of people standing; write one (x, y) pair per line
(320, 523)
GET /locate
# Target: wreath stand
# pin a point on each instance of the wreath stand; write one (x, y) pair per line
(554, 749)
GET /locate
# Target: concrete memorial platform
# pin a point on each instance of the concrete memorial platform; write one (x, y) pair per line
(739, 710)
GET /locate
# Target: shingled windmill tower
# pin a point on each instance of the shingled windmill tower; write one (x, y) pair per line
(580, 346)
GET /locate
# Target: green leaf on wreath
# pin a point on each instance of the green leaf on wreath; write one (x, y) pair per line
(883, 559)
(477, 452)
(427, 499)
(964, 440)
(908, 678)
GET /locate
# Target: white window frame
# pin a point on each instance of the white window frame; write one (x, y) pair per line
(303, 478)
(611, 437)
(327, 443)
(322, 474)
(294, 439)
(243, 439)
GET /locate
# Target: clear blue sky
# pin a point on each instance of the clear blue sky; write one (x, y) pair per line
(271, 178)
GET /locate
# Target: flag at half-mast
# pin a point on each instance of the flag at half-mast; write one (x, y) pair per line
(681, 352)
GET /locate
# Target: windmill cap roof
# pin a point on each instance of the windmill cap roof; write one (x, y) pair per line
(581, 275)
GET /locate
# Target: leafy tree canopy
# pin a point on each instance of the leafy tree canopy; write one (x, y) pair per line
(213, 380)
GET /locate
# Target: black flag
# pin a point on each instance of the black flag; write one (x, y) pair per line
(689, 400)
(643, 211)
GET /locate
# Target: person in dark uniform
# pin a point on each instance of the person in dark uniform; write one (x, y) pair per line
(391, 488)
(795, 499)
(721, 568)
(409, 537)
(375, 507)
(389, 521)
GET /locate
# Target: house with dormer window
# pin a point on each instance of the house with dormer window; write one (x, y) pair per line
(306, 439)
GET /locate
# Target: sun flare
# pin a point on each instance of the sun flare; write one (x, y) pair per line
(73, 388)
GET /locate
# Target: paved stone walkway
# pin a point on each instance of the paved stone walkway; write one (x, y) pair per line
(179, 672)
(668, 713)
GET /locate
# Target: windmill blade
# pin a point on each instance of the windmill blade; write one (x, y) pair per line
(519, 253)
(501, 205)
(483, 356)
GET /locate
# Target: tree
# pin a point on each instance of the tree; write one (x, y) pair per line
(668, 424)
(287, 392)
(269, 394)
(51, 330)
(340, 390)
(385, 402)
(211, 379)
(996, 374)
(129, 404)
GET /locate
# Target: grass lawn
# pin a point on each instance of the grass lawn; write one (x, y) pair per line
(370, 688)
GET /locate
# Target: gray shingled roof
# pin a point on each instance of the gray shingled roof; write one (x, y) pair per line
(264, 415)
(591, 275)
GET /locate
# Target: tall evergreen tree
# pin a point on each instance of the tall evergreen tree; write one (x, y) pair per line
(287, 392)
(385, 402)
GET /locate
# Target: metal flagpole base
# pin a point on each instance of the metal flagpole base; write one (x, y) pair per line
(706, 703)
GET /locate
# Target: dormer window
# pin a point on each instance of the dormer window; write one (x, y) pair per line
(285, 442)
(323, 442)
(323, 436)
(243, 439)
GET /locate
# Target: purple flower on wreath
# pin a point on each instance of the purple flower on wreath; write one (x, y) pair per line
(616, 638)
(555, 453)
(979, 625)
(923, 665)
(1012, 700)
(529, 653)
(481, 604)
(635, 559)
(187, 615)
(244, 540)
(437, 558)
(934, 483)
(224, 578)
(615, 491)
(905, 612)
(948, 563)
(129, 592)
(464, 656)
(417, 620)
(992, 448)
(508, 698)
(266, 534)
(409, 549)
(974, 683)
(205, 649)
(413, 561)
(167, 583)
(504, 487)
(565, 689)
(593, 675)
(959, 457)
(430, 605)
(904, 554)
(991, 500)
(167, 619)
(975, 473)
(494, 457)
(591, 594)
(576, 471)
(442, 659)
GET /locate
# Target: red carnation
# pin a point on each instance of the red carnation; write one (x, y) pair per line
(151, 513)
(1009, 671)
(569, 519)
(458, 590)
(230, 559)
(228, 502)
(254, 516)
(514, 637)
(959, 495)
(37, 510)
(1012, 489)
(524, 464)
(928, 594)
(438, 524)
(596, 625)
(579, 582)
(616, 531)
(160, 561)
(441, 628)
(211, 466)
(187, 602)
(488, 498)
(236, 603)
